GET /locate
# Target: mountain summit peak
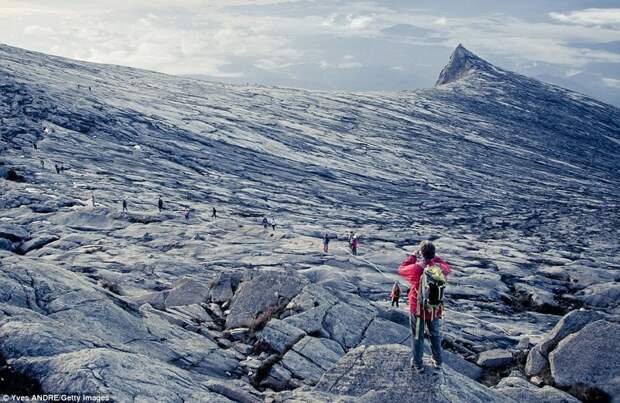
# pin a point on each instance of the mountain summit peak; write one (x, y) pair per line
(462, 62)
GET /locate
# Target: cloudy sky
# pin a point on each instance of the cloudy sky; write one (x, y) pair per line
(335, 44)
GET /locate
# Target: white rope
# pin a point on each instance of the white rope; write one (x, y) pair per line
(506, 332)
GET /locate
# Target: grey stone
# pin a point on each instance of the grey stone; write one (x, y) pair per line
(221, 290)
(381, 331)
(536, 362)
(570, 323)
(12, 232)
(605, 295)
(279, 335)
(346, 325)
(278, 378)
(496, 358)
(257, 299)
(186, 292)
(383, 373)
(589, 360)
(301, 367)
(322, 352)
(522, 391)
(37, 243)
(7, 245)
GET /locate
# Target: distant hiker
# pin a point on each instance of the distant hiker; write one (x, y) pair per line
(187, 213)
(78, 86)
(354, 242)
(265, 222)
(273, 223)
(160, 204)
(62, 169)
(93, 197)
(395, 294)
(34, 145)
(427, 274)
(125, 205)
(89, 88)
(325, 242)
(350, 239)
(42, 164)
(57, 168)
(214, 214)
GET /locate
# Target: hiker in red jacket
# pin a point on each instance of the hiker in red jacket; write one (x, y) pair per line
(395, 294)
(412, 270)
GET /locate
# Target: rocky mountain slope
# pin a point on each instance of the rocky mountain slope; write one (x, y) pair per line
(516, 181)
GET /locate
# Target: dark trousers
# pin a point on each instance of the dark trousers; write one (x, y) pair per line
(395, 301)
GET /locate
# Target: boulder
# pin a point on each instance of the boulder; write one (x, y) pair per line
(383, 374)
(279, 335)
(496, 358)
(12, 232)
(7, 245)
(587, 363)
(346, 324)
(570, 323)
(256, 300)
(120, 375)
(319, 351)
(536, 363)
(381, 331)
(186, 292)
(604, 295)
(37, 243)
(460, 364)
(301, 367)
(277, 378)
(221, 290)
(522, 391)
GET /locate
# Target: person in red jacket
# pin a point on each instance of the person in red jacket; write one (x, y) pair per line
(412, 269)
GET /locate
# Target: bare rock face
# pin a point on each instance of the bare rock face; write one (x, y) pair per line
(383, 373)
(588, 362)
(462, 62)
(260, 295)
(522, 391)
(495, 358)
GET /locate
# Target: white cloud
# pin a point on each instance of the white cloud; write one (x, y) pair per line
(590, 16)
(350, 21)
(611, 82)
(347, 62)
(38, 30)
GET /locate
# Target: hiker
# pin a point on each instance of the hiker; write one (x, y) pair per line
(57, 168)
(160, 204)
(89, 88)
(214, 214)
(187, 213)
(125, 205)
(427, 274)
(265, 222)
(78, 86)
(273, 223)
(325, 242)
(395, 294)
(354, 245)
(350, 239)
(62, 169)
(34, 145)
(93, 198)
(42, 164)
